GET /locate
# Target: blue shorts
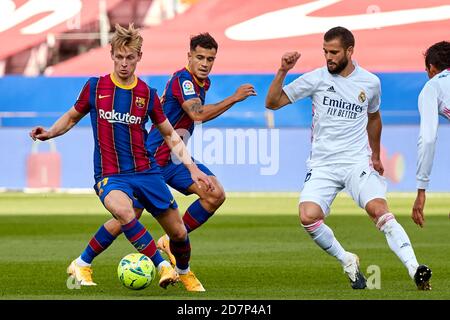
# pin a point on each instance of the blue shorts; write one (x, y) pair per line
(147, 189)
(178, 177)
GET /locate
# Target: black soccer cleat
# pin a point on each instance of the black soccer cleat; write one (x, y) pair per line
(422, 277)
(360, 281)
(354, 274)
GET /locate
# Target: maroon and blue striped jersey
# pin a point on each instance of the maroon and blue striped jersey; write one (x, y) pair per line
(182, 86)
(118, 117)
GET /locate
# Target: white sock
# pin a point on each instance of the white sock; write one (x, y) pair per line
(163, 263)
(398, 241)
(324, 237)
(81, 262)
(182, 271)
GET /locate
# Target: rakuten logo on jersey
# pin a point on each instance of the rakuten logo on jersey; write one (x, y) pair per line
(117, 117)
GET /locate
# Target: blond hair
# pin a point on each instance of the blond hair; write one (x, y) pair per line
(124, 37)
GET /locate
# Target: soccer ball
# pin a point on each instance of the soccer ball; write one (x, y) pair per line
(136, 271)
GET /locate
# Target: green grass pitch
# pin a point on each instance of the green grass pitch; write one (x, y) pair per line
(253, 248)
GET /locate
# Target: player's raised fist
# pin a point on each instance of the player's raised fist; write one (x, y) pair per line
(289, 59)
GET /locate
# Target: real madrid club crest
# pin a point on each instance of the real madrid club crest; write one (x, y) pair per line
(140, 102)
(362, 96)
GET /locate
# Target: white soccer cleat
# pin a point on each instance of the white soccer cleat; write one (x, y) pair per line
(351, 269)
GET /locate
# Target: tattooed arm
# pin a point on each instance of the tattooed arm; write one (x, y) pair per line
(199, 112)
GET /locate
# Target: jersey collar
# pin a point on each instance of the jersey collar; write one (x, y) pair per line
(197, 81)
(355, 70)
(122, 86)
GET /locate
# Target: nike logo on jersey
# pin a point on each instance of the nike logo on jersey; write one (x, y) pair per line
(331, 89)
(105, 96)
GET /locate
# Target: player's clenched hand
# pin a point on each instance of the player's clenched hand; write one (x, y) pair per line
(417, 211)
(201, 178)
(244, 91)
(378, 166)
(40, 134)
(289, 59)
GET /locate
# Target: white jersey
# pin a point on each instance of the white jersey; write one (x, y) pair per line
(340, 107)
(434, 100)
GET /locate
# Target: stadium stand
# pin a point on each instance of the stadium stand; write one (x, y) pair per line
(40, 33)
(397, 59)
(393, 47)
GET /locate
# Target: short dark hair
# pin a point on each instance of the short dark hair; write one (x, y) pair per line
(204, 40)
(438, 55)
(345, 35)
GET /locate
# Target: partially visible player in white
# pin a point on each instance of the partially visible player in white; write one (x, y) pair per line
(345, 153)
(434, 100)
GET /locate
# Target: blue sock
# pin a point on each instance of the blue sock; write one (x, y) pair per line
(142, 240)
(101, 240)
(195, 216)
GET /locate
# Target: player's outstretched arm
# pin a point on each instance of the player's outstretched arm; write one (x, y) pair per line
(198, 112)
(178, 147)
(276, 97)
(61, 126)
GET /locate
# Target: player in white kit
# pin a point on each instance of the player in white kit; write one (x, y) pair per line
(434, 100)
(345, 153)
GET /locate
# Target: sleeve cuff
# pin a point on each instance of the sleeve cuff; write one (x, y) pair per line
(373, 110)
(422, 184)
(288, 93)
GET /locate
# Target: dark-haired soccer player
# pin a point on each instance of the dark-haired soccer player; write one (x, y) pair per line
(120, 104)
(183, 103)
(434, 100)
(346, 131)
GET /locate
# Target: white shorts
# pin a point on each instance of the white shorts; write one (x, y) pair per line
(360, 181)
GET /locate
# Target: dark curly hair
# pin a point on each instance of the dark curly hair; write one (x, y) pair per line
(204, 40)
(438, 55)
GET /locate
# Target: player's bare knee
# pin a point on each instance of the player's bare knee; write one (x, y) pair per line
(216, 199)
(376, 208)
(211, 201)
(309, 214)
(307, 217)
(124, 214)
